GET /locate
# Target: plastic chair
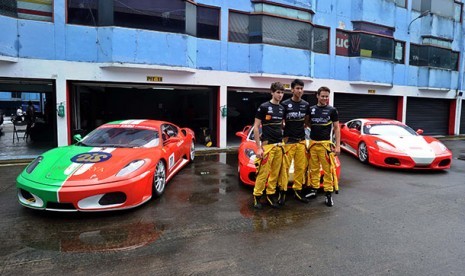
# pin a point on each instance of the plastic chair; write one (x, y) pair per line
(19, 127)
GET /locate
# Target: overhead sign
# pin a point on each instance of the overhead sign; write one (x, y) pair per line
(342, 43)
(154, 78)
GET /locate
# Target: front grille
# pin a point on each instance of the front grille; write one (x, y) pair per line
(392, 161)
(27, 195)
(60, 206)
(113, 198)
(445, 162)
(252, 176)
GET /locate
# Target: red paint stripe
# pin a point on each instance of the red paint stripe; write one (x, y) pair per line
(35, 12)
(452, 112)
(400, 108)
(218, 117)
(68, 112)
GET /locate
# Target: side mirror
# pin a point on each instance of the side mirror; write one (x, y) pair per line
(241, 134)
(171, 140)
(354, 130)
(77, 138)
(420, 131)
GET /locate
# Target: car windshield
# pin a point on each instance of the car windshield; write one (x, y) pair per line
(119, 137)
(388, 130)
(251, 135)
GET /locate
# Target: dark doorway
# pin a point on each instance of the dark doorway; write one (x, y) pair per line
(97, 103)
(242, 106)
(15, 94)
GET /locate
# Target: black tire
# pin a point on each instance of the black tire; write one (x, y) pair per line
(362, 153)
(192, 152)
(159, 179)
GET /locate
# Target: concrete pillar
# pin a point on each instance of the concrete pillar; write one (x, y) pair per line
(62, 122)
(222, 121)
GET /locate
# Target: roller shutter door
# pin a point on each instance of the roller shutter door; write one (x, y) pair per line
(352, 106)
(431, 115)
(462, 118)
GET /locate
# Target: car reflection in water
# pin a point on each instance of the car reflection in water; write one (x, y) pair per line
(77, 237)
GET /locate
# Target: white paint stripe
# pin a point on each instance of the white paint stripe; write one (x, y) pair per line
(77, 166)
(87, 166)
(173, 172)
(131, 122)
(71, 168)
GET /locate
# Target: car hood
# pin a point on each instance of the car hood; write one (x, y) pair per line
(85, 165)
(414, 146)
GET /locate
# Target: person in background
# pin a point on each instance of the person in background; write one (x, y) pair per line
(269, 153)
(19, 114)
(323, 121)
(30, 117)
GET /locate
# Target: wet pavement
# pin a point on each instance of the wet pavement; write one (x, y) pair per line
(384, 222)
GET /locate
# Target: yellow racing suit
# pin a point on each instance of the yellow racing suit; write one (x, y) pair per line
(268, 169)
(297, 152)
(320, 153)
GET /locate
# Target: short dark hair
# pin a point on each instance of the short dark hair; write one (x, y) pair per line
(275, 86)
(297, 82)
(323, 88)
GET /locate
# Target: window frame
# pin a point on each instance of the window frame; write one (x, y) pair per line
(219, 20)
(189, 15)
(14, 12)
(425, 50)
(257, 19)
(461, 11)
(328, 42)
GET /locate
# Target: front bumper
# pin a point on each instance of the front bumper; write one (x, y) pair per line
(402, 161)
(101, 197)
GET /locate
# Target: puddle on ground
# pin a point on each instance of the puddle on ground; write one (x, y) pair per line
(90, 237)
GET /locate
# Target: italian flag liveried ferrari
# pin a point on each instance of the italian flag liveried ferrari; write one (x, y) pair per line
(119, 165)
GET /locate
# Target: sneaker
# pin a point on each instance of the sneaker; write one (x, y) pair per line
(311, 193)
(272, 201)
(282, 198)
(298, 195)
(329, 200)
(256, 202)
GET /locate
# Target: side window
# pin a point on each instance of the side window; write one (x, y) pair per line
(164, 132)
(358, 125)
(355, 125)
(170, 130)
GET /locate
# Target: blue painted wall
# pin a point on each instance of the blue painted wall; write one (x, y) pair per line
(60, 41)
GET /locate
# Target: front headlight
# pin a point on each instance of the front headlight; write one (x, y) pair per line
(131, 167)
(34, 164)
(385, 146)
(250, 153)
(438, 147)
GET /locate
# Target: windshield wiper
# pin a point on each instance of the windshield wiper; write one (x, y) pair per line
(112, 146)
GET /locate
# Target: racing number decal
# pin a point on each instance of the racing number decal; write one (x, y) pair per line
(171, 161)
(91, 157)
